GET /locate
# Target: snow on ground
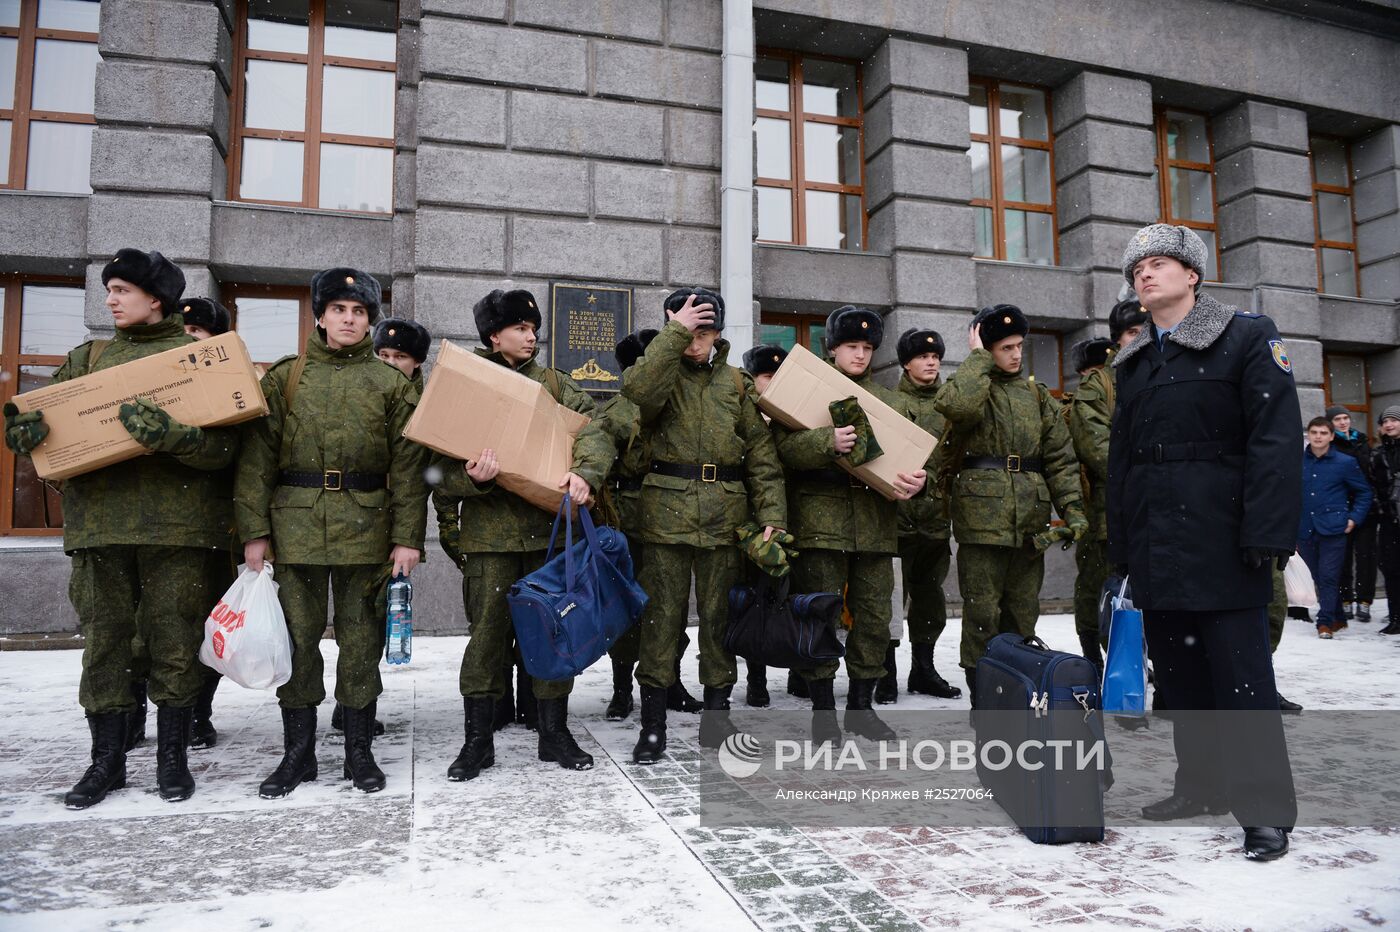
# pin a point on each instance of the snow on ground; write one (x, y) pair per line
(529, 844)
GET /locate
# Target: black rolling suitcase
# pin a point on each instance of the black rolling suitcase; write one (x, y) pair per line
(1027, 695)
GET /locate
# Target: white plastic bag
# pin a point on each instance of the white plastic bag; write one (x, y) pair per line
(245, 636)
(1297, 579)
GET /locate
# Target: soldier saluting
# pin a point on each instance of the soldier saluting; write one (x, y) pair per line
(328, 482)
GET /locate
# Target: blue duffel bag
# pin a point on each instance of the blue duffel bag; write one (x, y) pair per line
(570, 611)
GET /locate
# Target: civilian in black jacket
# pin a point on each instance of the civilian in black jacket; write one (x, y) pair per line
(1385, 479)
(1358, 580)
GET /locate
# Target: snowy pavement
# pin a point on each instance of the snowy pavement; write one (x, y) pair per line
(528, 844)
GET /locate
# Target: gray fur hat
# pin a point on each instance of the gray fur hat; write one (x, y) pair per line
(1161, 239)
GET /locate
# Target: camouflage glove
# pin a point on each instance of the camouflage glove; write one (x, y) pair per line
(24, 432)
(1045, 538)
(847, 413)
(773, 556)
(450, 537)
(155, 430)
(1077, 523)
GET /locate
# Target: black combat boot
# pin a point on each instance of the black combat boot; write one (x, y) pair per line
(136, 717)
(887, 687)
(1394, 626)
(556, 743)
(479, 750)
(756, 693)
(678, 698)
(651, 743)
(1089, 646)
(299, 757)
(108, 770)
(859, 718)
(971, 677)
(923, 678)
(527, 710)
(715, 725)
(621, 704)
(824, 725)
(359, 752)
(797, 685)
(203, 734)
(338, 721)
(172, 766)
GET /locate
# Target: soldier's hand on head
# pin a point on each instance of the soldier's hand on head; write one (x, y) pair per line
(974, 337)
(693, 316)
(255, 552)
(404, 559)
(578, 489)
(909, 484)
(486, 467)
(844, 440)
(24, 432)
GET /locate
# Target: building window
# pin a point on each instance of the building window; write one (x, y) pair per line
(48, 70)
(273, 321)
(789, 330)
(313, 106)
(1349, 385)
(809, 164)
(1044, 360)
(1336, 222)
(1013, 191)
(1186, 179)
(43, 321)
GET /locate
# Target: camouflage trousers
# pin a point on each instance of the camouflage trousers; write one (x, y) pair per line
(222, 572)
(867, 579)
(359, 592)
(627, 649)
(1091, 561)
(490, 654)
(923, 567)
(1278, 610)
(666, 577)
(162, 591)
(1001, 593)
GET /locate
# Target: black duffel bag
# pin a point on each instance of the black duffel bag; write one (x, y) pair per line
(768, 626)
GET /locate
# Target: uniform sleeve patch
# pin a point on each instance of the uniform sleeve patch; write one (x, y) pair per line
(1280, 353)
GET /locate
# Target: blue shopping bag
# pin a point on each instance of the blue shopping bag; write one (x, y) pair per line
(570, 611)
(1125, 671)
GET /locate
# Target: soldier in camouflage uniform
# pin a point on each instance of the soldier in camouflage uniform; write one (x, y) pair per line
(925, 547)
(328, 481)
(143, 535)
(846, 532)
(1007, 456)
(504, 538)
(713, 469)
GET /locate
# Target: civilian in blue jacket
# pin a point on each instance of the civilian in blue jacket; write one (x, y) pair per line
(1336, 497)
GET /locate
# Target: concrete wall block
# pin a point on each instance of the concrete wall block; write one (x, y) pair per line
(151, 95)
(44, 232)
(1266, 216)
(643, 72)
(918, 66)
(500, 55)
(1255, 123)
(1378, 239)
(639, 192)
(1096, 245)
(406, 117)
(933, 225)
(443, 302)
(1106, 195)
(284, 245)
(486, 178)
(161, 30)
(409, 53)
(1097, 144)
(460, 241)
(693, 138)
(1306, 358)
(1051, 295)
(1376, 195)
(931, 280)
(405, 180)
(814, 281)
(1295, 313)
(37, 580)
(902, 170)
(695, 24)
(473, 9)
(555, 123)
(1377, 152)
(1381, 280)
(692, 257)
(632, 19)
(1312, 402)
(124, 160)
(177, 227)
(1263, 170)
(1090, 94)
(403, 255)
(609, 251)
(911, 116)
(1259, 262)
(453, 112)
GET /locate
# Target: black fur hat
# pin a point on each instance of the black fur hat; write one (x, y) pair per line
(999, 322)
(632, 346)
(1125, 314)
(1089, 353)
(501, 309)
(206, 313)
(849, 323)
(915, 342)
(151, 272)
(403, 335)
(764, 360)
(345, 284)
(676, 300)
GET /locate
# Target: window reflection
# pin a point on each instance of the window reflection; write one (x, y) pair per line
(60, 157)
(357, 102)
(357, 178)
(775, 214)
(64, 76)
(52, 320)
(278, 25)
(270, 327)
(275, 96)
(361, 29)
(73, 15)
(271, 170)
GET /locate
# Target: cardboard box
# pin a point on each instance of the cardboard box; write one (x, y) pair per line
(211, 383)
(472, 404)
(799, 395)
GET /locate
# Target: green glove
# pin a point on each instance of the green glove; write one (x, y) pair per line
(1045, 538)
(1077, 523)
(450, 537)
(773, 556)
(24, 432)
(847, 413)
(155, 430)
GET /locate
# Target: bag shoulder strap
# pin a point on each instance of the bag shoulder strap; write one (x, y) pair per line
(95, 351)
(739, 383)
(289, 387)
(556, 388)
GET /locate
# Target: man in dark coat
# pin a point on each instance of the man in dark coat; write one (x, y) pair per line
(1357, 583)
(1204, 493)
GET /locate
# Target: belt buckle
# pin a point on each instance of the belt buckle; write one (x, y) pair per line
(1013, 462)
(709, 472)
(326, 477)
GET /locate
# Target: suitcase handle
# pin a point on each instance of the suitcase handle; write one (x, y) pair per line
(1034, 641)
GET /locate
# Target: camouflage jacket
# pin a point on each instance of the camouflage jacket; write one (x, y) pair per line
(998, 414)
(612, 450)
(493, 520)
(926, 514)
(697, 414)
(348, 413)
(833, 511)
(180, 501)
(1090, 418)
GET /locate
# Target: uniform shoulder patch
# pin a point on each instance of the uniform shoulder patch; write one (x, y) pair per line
(1280, 354)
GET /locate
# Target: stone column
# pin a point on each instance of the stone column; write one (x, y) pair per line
(1375, 163)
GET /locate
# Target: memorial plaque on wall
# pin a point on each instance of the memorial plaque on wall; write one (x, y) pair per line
(585, 324)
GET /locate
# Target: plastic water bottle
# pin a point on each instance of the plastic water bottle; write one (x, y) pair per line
(399, 622)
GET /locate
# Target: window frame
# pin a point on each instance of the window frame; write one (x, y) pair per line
(797, 118)
(1364, 411)
(800, 321)
(22, 114)
(1163, 165)
(306, 322)
(994, 140)
(310, 135)
(1350, 192)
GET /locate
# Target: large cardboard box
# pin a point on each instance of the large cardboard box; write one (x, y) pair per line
(799, 395)
(211, 383)
(472, 404)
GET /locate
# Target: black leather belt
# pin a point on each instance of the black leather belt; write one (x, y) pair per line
(1010, 463)
(705, 472)
(828, 476)
(1179, 452)
(333, 480)
(628, 485)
